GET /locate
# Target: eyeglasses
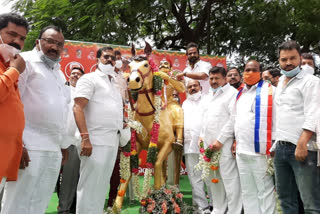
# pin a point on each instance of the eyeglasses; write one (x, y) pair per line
(53, 42)
(113, 58)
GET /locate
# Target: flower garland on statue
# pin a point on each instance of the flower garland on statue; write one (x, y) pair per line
(153, 145)
(208, 160)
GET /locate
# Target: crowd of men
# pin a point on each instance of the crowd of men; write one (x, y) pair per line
(261, 115)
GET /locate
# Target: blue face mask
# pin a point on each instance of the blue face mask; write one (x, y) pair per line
(51, 63)
(292, 72)
(215, 89)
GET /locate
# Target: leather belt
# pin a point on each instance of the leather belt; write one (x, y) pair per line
(282, 143)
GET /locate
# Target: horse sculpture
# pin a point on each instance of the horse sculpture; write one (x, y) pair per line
(141, 81)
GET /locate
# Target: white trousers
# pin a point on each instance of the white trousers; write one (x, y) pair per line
(257, 186)
(32, 192)
(197, 184)
(95, 174)
(2, 183)
(226, 194)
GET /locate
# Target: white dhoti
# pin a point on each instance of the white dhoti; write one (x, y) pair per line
(197, 184)
(218, 193)
(231, 180)
(226, 194)
(257, 186)
(95, 174)
(32, 192)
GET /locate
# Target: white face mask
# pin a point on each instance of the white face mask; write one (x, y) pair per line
(106, 69)
(195, 96)
(7, 51)
(308, 69)
(51, 63)
(119, 64)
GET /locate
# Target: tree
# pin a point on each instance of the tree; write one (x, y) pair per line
(251, 28)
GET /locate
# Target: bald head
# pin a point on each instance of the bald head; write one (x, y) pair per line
(193, 86)
(253, 66)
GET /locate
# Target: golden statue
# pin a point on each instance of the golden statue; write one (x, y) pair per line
(141, 81)
(171, 85)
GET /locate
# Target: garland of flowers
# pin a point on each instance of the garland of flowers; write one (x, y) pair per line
(129, 157)
(208, 160)
(270, 168)
(153, 145)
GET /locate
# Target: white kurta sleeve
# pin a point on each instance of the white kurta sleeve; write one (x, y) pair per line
(228, 129)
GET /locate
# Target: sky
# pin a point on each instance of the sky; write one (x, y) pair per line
(5, 6)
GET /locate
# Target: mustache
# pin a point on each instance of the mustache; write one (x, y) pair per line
(289, 67)
(15, 45)
(53, 51)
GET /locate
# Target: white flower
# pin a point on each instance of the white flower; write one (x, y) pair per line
(270, 168)
(124, 166)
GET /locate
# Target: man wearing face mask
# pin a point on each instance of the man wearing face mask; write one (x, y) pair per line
(272, 75)
(192, 127)
(45, 97)
(297, 105)
(251, 124)
(234, 78)
(121, 82)
(98, 111)
(70, 171)
(217, 111)
(196, 69)
(307, 63)
(13, 31)
(121, 85)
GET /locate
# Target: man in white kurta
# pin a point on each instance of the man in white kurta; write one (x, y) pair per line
(45, 97)
(226, 194)
(99, 116)
(257, 187)
(192, 127)
(70, 172)
(196, 69)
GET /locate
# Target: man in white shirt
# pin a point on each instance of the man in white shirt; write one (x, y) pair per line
(251, 124)
(70, 171)
(192, 127)
(218, 105)
(98, 113)
(196, 69)
(297, 105)
(45, 97)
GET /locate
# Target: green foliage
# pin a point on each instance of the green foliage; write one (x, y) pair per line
(247, 27)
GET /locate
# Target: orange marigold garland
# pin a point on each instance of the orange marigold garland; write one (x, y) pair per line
(208, 160)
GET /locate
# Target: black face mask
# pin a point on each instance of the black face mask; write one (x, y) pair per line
(236, 85)
(193, 59)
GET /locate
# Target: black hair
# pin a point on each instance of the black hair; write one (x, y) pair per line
(56, 28)
(13, 18)
(275, 72)
(78, 68)
(192, 45)
(218, 70)
(290, 45)
(308, 56)
(99, 52)
(117, 53)
(234, 68)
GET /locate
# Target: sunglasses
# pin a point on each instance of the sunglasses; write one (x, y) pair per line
(113, 58)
